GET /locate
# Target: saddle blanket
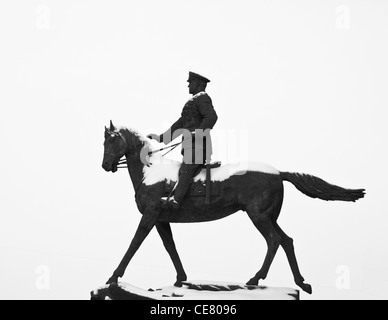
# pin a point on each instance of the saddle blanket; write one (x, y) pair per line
(164, 169)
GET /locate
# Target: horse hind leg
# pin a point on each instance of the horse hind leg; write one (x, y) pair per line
(287, 244)
(264, 224)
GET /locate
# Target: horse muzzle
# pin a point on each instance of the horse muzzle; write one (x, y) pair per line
(110, 167)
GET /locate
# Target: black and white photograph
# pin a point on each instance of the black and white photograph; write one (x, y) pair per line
(215, 151)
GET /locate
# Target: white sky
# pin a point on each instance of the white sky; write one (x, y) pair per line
(303, 83)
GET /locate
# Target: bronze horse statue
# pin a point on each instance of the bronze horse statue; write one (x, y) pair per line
(258, 190)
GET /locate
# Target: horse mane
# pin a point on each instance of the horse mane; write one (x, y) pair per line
(135, 138)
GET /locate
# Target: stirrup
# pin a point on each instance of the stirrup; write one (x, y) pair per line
(170, 202)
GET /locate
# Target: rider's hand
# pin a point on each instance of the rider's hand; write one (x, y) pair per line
(154, 137)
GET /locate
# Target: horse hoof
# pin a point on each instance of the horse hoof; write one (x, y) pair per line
(112, 279)
(180, 280)
(253, 282)
(306, 287)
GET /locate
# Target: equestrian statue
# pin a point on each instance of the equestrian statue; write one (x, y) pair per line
(167, 191)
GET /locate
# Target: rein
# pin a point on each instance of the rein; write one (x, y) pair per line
(172, 147)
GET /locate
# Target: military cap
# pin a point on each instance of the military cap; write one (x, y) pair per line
(193, 75)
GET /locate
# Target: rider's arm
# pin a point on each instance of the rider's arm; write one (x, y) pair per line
(206, 109)
(172, 133)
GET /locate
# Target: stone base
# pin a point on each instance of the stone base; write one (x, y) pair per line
(195, 290)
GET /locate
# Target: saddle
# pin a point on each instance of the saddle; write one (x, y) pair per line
(199, 190)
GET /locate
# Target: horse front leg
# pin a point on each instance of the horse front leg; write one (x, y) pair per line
(165, 233)
(146, 224)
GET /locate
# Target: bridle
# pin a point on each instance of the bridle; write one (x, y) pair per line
(122, 163)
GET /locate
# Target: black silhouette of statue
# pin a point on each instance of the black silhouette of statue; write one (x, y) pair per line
(258, 191)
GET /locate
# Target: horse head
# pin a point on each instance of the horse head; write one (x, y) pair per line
(114, 148)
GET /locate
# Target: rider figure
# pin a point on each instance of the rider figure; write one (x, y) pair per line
(197, 118)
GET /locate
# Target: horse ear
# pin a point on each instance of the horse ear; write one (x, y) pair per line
(106, 133)
(112, 127)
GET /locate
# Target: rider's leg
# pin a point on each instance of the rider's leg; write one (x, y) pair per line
(190, 165)
(192, 160)
(186, 173)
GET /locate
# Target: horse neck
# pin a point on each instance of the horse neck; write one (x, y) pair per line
(133, 156)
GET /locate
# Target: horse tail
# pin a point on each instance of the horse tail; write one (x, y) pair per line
(315, 187)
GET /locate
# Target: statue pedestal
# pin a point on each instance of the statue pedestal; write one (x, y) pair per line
(195, 290)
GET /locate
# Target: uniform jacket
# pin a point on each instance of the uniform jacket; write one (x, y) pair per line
(197, 113)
